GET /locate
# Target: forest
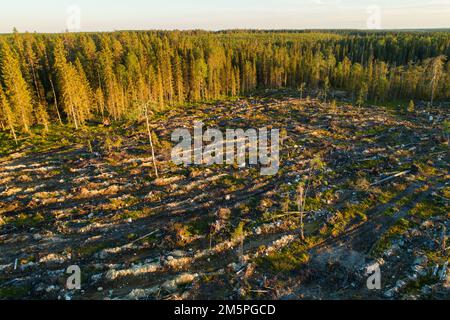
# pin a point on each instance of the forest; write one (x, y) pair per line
(75, 77)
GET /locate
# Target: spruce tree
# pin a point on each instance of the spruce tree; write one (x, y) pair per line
(16, 89)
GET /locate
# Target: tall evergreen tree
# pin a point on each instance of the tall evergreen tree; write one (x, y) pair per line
(16, 88)
(7, 114)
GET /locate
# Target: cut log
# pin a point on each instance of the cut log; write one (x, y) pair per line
(391, 178)
(143, 237)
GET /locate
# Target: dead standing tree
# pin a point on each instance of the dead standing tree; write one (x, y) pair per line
(444, 238)
(302, 192)
(301, 203)
(147, 120)
(239, 237)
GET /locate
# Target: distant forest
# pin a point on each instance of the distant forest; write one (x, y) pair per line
(74, 77)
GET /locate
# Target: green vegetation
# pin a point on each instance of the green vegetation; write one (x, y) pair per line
(26, 220)
(353, 213)
(429, 208)
(107, 77)
(394, 232)
(88, 250)
(14, 292)
(411, 107)
(288, 259)
(238, 233)
(200, 227)
(415, 287)
(231, 183)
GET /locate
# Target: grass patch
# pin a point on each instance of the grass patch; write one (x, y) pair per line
(131, 214)
(12, 293)
(400, 204)
(231, 183)
(426, 170)
(369, 164)
(313, 204)
(117, 203)
(372, 131)
(200, 227)
(393, 233)
(26, 220)
(342, 219)
(429, 208)
(414, 287)
(89, 250)
(287, 260)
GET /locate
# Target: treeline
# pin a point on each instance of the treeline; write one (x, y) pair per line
(76, 77)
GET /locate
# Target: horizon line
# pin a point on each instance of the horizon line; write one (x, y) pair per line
(235, 29)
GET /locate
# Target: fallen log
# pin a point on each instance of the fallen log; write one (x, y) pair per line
(287, 214)
(391, 178)
(143, 237)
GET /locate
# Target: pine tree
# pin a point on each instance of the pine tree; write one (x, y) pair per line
(436, 67)
(74, 88)
(42, 116)
(85, 96)
(362, 94)
(178, 79)
(16, 89)
(411, 108)
(7, 114)
(110, 86)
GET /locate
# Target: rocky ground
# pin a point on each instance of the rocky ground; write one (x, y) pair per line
(91, 199)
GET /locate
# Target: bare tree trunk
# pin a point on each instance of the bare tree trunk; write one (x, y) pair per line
(433, 89)
(25, 124)
(14, 134)
(56, 101)
(36, 83)
(302, 226)
(151, 140)
(444, 238)
(301, 205)
(302, 87)
(74, 117)
(241, 251)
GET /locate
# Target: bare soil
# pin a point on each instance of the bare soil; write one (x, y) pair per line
(95, 203)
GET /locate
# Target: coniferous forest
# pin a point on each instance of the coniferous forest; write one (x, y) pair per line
(75, 77)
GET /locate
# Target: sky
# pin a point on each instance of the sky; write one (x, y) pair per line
(109, 15)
